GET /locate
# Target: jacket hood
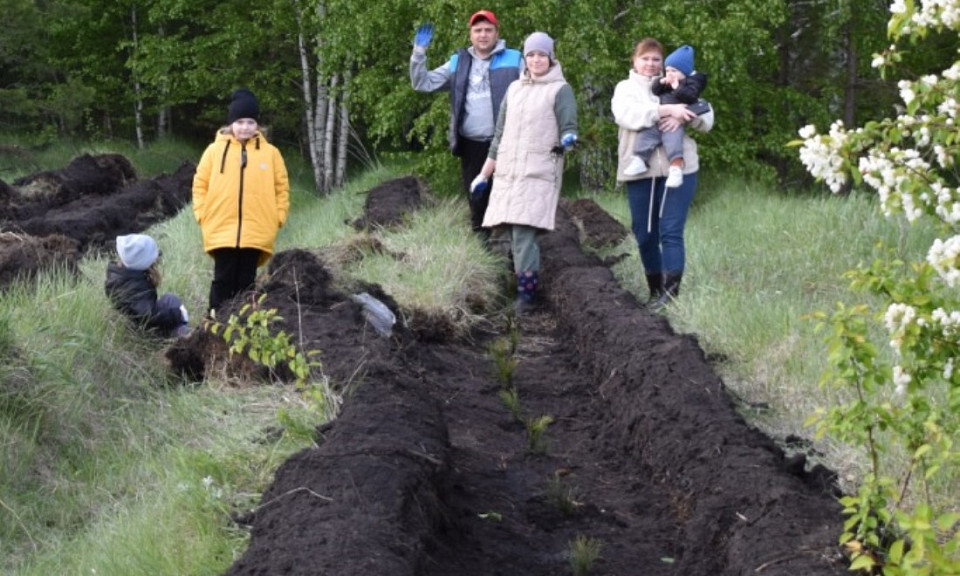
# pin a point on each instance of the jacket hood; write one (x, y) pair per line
(554, 74)
(500, 47)
(226, 134)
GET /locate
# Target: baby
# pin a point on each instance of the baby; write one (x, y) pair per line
(681, 84)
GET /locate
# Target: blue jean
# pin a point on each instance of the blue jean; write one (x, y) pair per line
(658, 216)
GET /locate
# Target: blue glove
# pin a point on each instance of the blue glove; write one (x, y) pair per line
(478, 186)
(424, 35)
(568, 141)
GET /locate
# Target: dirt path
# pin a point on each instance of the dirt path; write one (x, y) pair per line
(428, 472)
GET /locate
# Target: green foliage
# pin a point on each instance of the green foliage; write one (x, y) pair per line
(583, 551)
(87, 70)
(250, 332)
(504, 360)
(511, 399)
(894, 525)
(536, 428)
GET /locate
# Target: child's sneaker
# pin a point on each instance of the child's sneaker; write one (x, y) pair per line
(636, 166)
(675, 177)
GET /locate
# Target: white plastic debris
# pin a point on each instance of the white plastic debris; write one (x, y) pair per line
(376, 313)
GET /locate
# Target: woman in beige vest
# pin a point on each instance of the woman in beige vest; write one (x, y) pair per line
(537, 122)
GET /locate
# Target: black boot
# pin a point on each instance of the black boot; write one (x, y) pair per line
(671, 289)
(655, 286)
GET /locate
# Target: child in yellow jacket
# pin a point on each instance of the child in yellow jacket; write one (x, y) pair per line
(241, 197)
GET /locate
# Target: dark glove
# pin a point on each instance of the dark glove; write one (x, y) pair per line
(424, 36)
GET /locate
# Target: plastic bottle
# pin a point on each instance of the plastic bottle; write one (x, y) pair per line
(376, 313)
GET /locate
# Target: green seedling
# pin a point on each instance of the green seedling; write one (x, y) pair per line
(249, 332)
(514, 336)
(536, 427)
(504, 360)
(511, 399)
(562, 496)
(491, 515)
(584, 551)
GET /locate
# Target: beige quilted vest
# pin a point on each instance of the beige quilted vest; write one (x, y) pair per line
(526, 184)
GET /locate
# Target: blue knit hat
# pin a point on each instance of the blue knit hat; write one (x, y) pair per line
(681, 59)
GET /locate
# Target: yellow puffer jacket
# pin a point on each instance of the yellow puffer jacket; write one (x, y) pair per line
(237, 205)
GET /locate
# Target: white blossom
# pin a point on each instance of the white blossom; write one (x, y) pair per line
(821, 155)
(943, 256)
(897, 318)
(900, 380)
(906, 91)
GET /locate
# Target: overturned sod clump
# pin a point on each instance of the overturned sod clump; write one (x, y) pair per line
(52, 218)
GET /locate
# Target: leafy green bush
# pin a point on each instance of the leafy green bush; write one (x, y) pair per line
(893, 523)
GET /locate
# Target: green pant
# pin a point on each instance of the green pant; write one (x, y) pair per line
(526, 251)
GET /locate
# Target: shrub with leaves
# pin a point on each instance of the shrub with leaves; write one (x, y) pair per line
(912, 404)
(251, 332)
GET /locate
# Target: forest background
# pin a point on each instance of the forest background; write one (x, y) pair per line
(332, 75)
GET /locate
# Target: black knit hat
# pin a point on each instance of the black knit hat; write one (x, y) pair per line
(243, 104)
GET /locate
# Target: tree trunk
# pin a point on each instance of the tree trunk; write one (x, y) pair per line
(163, 122)
(344, 140)
(164, 115)
(138, 99)
(308, 107)
(329, 134)
(850, 90)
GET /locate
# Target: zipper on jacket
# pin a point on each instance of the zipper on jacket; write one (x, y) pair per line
(243, 167)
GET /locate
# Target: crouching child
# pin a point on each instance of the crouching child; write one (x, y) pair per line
(132, 283)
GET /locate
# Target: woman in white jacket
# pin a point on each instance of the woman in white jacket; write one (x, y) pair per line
(658, 214)
(537, 122)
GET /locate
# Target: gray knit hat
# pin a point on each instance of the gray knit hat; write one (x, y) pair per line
(539, 42)
(137, 251)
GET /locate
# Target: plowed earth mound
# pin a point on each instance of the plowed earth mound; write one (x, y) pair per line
(428, 472)
(52, 218)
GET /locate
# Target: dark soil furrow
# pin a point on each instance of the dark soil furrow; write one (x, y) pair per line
(645, 455)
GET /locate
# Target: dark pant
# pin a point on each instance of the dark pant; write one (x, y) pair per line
(473, 154)
(649, 139)
(234, 270)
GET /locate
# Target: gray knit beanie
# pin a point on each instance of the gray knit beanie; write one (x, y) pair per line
(137, 251)
(539, 42)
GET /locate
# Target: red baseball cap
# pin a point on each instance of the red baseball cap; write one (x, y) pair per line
(484, 15)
